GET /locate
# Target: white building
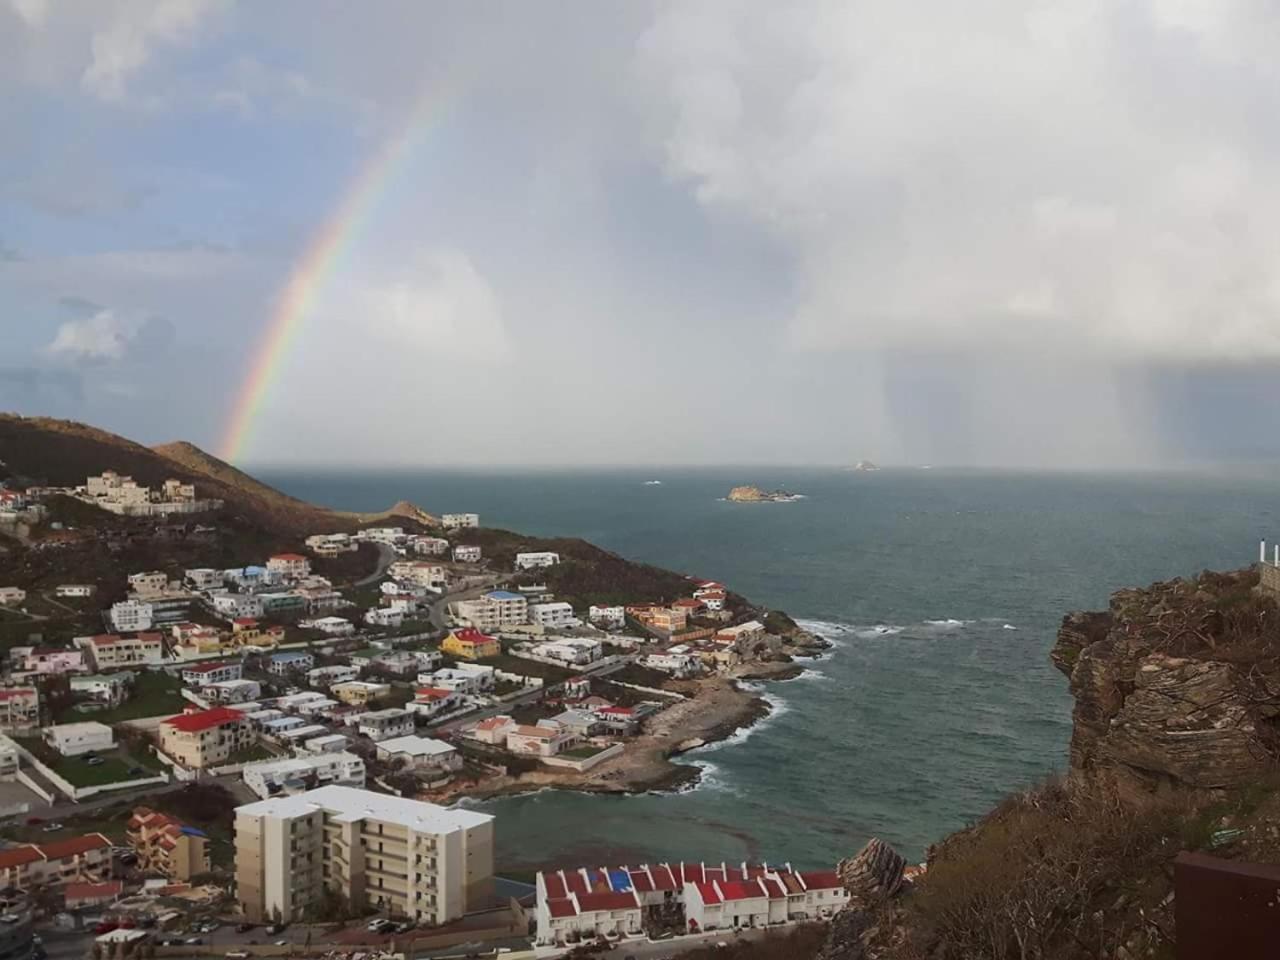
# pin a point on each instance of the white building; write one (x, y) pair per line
(331, 544)
(494, 610)
(401, 858)
(12, 596)
(333, 743)
(73, 739)
(332, 626)
(200, 674)
(571, 650)
(430, 702)
(237, 606)
(467, 678)
(130, 616)
(231, 691)
(610, 616)
(203, 578)
(275, 777)
(552, 615)
(152, 583)
(289, 566)
(385, 724)
(676, 664)
(536, 559)
(328, 676)
(466, 554)
(283, 663)
(384, 617)
(75, 590)
(419, 572)
(391, 536)
(454, 521)
(430, 546)
(420, 752)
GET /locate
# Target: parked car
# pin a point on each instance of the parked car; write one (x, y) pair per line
(404, 926)
(282, 943)
(193, 941)
(379, 925)
(50, 827)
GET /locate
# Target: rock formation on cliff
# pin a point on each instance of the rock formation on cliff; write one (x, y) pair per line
(1174, 685)
(873, 874)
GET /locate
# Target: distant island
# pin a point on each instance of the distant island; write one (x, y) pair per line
(864, 466)
(749, 494)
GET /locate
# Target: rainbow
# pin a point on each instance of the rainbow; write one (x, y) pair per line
(319, 263)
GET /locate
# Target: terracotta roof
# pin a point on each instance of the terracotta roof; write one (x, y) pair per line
(591, 902)
(471, 635)
(291, 557)
(641, 880)
(741, 890)
(708, 893)
(662, 878)
(555, 886)
(574, 881)
(204, 719)
(245, 621)
(493, 723)
(562, 907)
(207, 667)
(773, 888)
(17, 856)
(821, 880)
(12, 693)
(74, 846)
(434, 693)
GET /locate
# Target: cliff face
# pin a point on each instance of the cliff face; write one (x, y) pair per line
(1176, 685)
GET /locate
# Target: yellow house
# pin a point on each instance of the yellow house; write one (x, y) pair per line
(470, 644)
(359, 693)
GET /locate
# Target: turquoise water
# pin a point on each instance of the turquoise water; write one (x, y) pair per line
(942, 590)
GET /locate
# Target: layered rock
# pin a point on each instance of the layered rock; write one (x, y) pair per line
(873, 874)
(1173, 686)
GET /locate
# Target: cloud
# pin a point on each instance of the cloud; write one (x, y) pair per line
(1073, 175)
(31, 12)
(123, 45)
(105, 337)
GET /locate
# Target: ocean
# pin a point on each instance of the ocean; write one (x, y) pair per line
(942, 591)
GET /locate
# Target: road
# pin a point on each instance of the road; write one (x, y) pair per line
(386, 556)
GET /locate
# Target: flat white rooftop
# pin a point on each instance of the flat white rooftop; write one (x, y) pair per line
(349, 804)
(415, 746)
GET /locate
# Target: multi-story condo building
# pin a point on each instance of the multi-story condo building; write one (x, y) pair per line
(401, 857)
(291, 566)
(166, 846)
(205, 738)
(199, 674)
(467, 553)
(555, 614)
(385, 724)
(130, 615)
(108, 651)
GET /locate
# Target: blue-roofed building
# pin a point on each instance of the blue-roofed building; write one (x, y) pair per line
(281, 724)
(282, 663)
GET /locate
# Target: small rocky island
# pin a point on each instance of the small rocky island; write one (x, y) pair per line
(749, 494)
(864, 466)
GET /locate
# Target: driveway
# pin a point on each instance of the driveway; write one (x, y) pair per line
(386, 557)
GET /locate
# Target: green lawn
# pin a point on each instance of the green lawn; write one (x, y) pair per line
(154, 694)
(255, 751)
(80, 773)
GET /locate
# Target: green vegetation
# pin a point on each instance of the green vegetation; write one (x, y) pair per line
(583, 753)
(528, 668)
(154, 694)
(779, 624)
(254, 751)
(79, 772)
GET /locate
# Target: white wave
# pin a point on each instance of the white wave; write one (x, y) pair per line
(879, 630)
(825, 628)
(810, 674)
(949, 624)
(1008, 626)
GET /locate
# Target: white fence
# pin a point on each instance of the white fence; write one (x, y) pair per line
(74, 792)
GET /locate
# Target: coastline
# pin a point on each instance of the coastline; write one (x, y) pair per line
(718, 710)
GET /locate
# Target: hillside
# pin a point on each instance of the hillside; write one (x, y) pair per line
(63, 453)
(1174, 748)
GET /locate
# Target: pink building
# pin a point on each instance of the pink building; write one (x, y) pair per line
(54, 660)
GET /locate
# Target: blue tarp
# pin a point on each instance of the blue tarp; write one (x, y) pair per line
(619, 880)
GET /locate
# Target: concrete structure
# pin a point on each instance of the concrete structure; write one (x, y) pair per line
(285, 663)
(400, 857)
(544, 740)
(296, 774)
(332, 544)
(73, 739)
(53, 660)
(200, 674)
(334, 743)
(359, 693)
(237, 605)
(231, 691)
(536, 559)
(289, 566)
(9, 759)
(419, 572)
(467, 678)
(430, 546)
(470, 644)
(166, 846)
(420, 752)
(429, 702)
(464, 553)
(327, 676)
(128, 616)
(385, 724)
(492, 731)
(12, 596)
(107, 688)
(496, 609)
(205, 738)
(108, 651)
(86, 858)
(610, 616)
(578, 651)
(19, 709)
(676, 664)
(74, 591)
(456, 521)
(333, 627)
(741, 635)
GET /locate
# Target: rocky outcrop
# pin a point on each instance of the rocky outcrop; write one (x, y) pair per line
(1174, 685)
(874, 874)
(749, 494)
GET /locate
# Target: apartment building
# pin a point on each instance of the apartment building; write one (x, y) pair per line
(19, 709)
(404, 858)
(108, 688)
(418, 572)
(385, 724)
(166, 846)
(130, 615)
(200, 674)
(56, 863)
(326, 676)
(108, 651)
(53, 660)
(297, 774)
(205, 738)
(359, 693)
(73, 739)
(556, 614)
(291, 566)
(467, 553)
(610, 616)
(283, 664)
(455, 521)
(152, 583)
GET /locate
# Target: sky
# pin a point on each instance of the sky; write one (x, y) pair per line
(1033, 234)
